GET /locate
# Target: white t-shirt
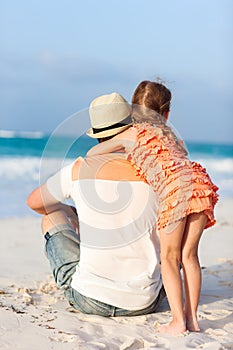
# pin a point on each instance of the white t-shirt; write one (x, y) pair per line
(119, 248)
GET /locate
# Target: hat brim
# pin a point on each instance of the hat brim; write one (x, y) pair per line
(107, 133)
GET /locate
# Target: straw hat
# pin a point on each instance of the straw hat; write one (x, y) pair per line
(109, 115)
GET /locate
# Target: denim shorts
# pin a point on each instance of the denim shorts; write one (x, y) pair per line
(63, 252)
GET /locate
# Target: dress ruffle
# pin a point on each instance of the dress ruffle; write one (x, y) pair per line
(182, 187)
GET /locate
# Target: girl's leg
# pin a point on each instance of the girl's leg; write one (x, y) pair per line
(170, 266)
(192, 273)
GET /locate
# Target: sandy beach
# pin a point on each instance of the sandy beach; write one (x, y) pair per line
(35, 315)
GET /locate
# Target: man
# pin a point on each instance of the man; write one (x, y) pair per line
(112, 268)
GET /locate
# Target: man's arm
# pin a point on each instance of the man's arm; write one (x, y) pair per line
(41, 201)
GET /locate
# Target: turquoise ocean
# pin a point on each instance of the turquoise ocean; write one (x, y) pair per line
(24, 156)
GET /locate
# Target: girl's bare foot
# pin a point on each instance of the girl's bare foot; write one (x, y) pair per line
(192, 325)
(173, 328)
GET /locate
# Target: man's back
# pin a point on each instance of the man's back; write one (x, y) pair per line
(119, 247)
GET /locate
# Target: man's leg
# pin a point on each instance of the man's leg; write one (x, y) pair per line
(63, 252)
(53, 219)
(62, 246)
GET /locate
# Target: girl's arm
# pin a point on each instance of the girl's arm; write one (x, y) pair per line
(122, 142)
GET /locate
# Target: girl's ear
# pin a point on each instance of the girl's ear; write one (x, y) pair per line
(166, 115)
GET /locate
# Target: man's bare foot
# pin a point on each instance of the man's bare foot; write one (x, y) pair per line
(192, 325)
(172, 328)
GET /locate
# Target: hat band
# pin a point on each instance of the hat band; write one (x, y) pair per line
(124, 122)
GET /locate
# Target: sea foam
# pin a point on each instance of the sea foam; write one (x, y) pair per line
(21, 134)
(20, 175)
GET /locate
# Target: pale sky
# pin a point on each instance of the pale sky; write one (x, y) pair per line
(57, 56)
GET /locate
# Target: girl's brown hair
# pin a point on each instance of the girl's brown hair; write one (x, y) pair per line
(154, 96)
(151, 100)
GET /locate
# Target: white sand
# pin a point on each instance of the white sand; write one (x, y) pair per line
(35, 315)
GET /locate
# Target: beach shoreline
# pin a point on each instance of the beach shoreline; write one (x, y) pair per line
(35, 314)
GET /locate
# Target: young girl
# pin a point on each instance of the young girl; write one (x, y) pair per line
(186, 197)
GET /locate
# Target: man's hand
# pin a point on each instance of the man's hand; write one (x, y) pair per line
(73, 218)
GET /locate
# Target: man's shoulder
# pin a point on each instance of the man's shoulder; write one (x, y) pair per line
(116, 167)
(76, 168)
(111, 166)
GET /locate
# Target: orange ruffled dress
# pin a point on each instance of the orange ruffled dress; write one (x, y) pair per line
(183, 187)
